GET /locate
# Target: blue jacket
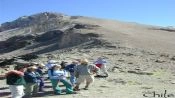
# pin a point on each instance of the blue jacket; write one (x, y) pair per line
(31, 77)
(70, 67)
(56, 74)
(39, 70)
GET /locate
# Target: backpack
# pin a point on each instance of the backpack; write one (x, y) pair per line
(51, 70)
(12, 79)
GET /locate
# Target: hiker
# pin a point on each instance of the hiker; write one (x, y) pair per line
(32, 81)
(51, 63)
(16, 82)
(41, 78)
(83, 72)
(70, 68)
(63, 64)
(57, 75)
(101, 63)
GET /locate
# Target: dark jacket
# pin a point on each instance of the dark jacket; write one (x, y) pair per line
(14, 79)
(70, 67)
(39, 70)
(31, 77)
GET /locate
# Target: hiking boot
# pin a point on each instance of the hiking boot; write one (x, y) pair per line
(86, 88)
(56, 93)
(72, 92)
(76, 88)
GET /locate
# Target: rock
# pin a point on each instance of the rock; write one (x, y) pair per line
(164, 55)
(173, 58)
(160, 61)
(111, 46)
(137, 69)
(151, 53)
(119, 80)
(130, 63)
(28, 57)
(5, 62)
(84, 96)
(134, 83)
(115, 69)
(128, 54)
(169, 29)
(84, 26)
(44, 19)
(44, 33)
(6, 69)
(101, 91)
(104, 86)
(15, 42)
(21, 62)
(140, 72)
(172, 81)
(147, 87)
(121, 60)
(112, 54)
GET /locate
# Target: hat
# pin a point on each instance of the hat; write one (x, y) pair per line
(52, 61)
(33, 67)
(75, 62)
(79, 60)
(41, 65)
(84, 61)
(56, 65)
(34, 63)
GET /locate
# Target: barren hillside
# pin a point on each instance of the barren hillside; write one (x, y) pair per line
(37, 32)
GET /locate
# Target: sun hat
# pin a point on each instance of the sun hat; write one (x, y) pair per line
(57, 65)
(41, 65)
(84, 61)
(34, 63)
(52, 61)
(75, 62)
(33, 67)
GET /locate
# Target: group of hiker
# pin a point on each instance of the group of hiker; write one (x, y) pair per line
(31, 76)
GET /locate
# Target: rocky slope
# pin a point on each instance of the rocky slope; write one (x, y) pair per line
(30, 33)
(42, 33)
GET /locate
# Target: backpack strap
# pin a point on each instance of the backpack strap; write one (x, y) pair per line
(51, 70)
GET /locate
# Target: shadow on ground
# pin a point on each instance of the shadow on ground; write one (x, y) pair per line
(4, 94)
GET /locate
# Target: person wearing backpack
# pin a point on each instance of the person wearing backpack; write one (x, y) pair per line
(101, 63)
(57, 75)
(39, 70)
(85, 72)
(32, 81)
(70, 68)
(50, 64)
(16, 82)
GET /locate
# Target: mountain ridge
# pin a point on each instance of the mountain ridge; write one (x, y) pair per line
(129, 34)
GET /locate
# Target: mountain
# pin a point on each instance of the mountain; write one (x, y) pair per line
(46, 32)
(140, 58)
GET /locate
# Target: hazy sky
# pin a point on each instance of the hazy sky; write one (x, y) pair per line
(154, 12)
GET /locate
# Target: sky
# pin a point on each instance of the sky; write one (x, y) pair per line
(151, 12)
